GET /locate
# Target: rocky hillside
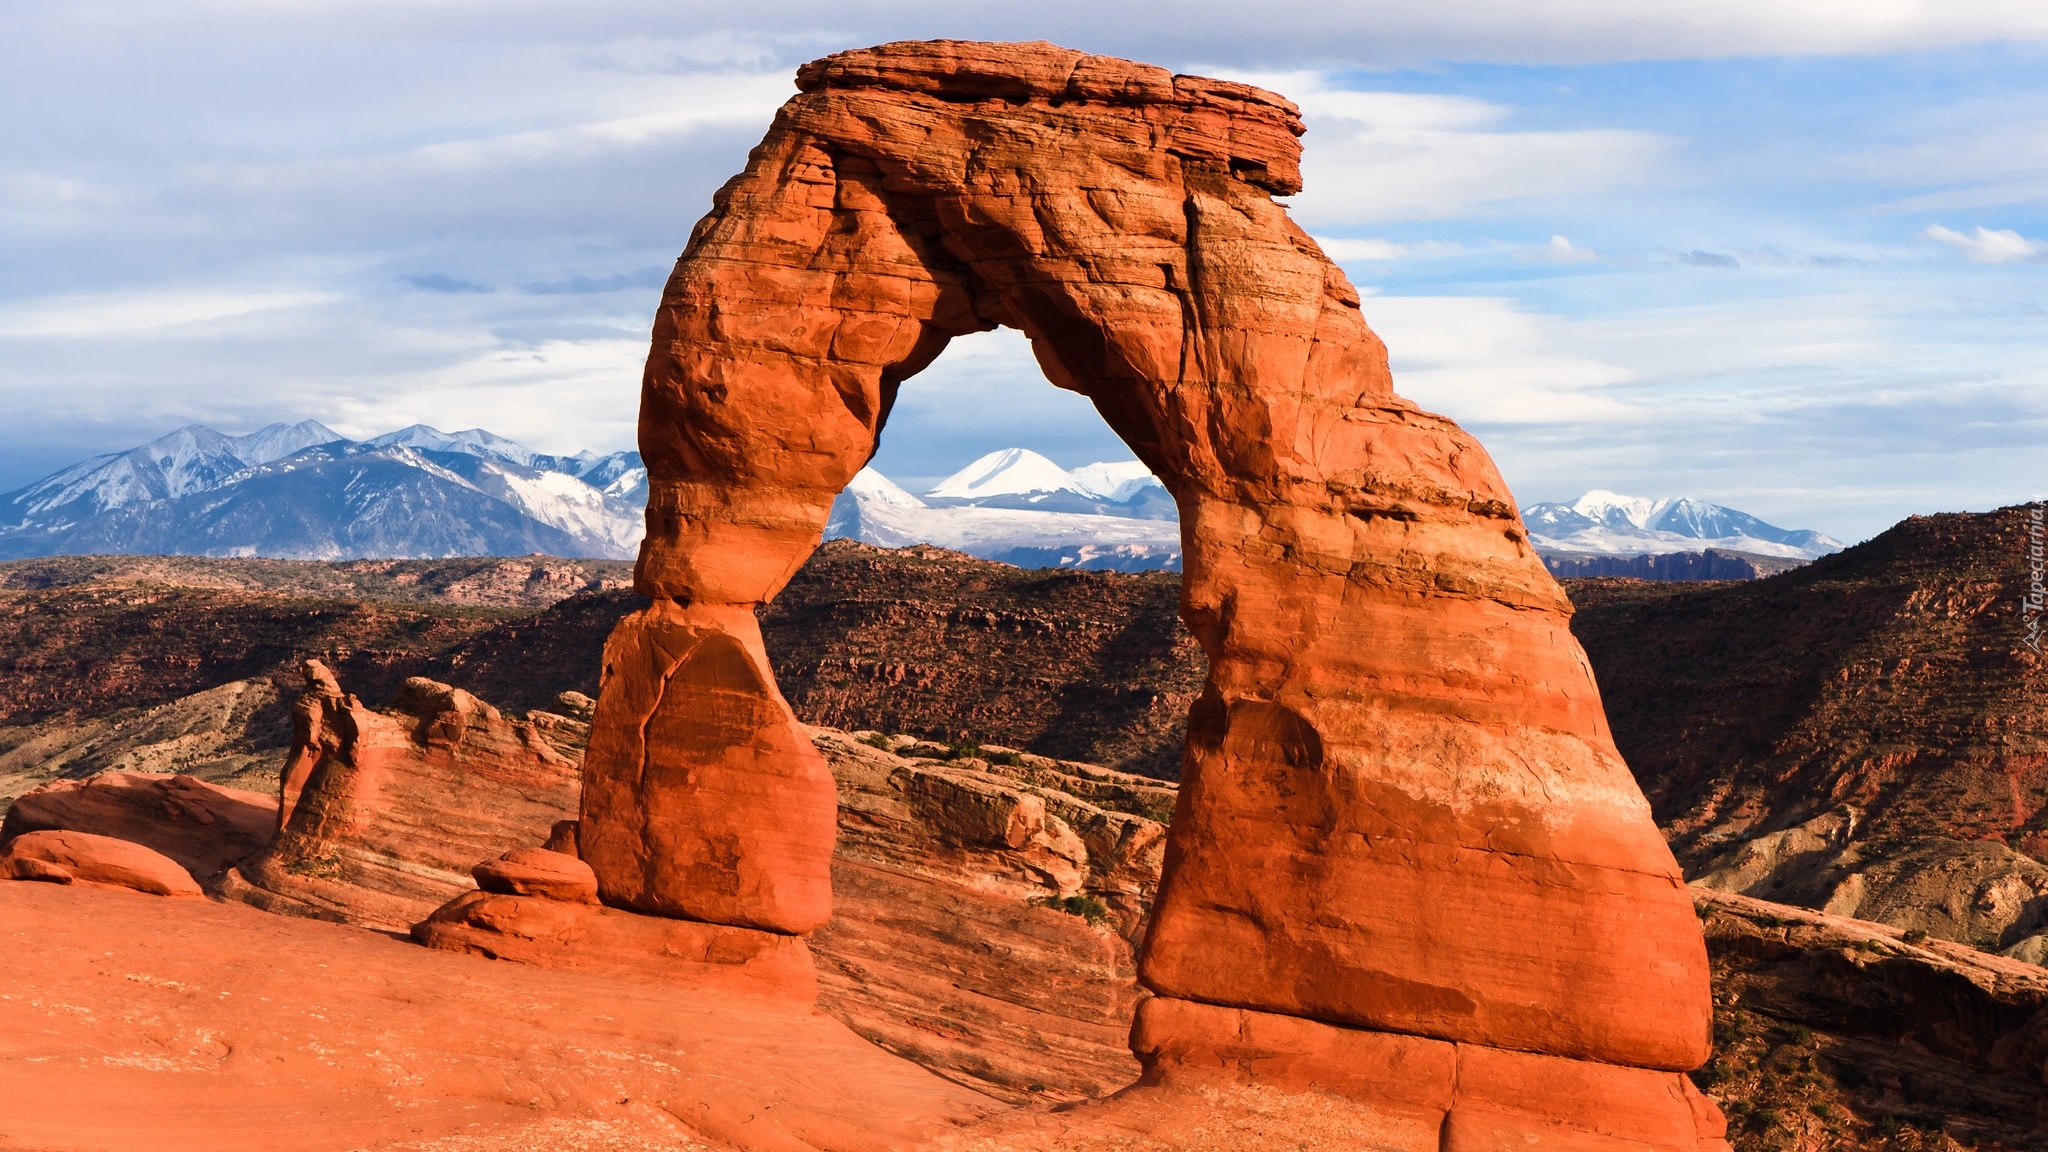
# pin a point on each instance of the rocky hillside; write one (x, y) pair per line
(1082, 665)
(1866, 735)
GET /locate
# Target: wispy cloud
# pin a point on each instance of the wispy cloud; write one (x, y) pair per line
(158, 311)
(1988, 246)
(1367, 248)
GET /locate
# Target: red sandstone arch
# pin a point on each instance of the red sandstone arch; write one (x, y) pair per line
(1401, 807)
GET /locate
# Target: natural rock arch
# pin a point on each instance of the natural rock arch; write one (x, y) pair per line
(1401, 807)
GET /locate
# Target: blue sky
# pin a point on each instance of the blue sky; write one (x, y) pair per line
(1788, 257)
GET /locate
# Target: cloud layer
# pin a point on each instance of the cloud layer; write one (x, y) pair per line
(1786, 256)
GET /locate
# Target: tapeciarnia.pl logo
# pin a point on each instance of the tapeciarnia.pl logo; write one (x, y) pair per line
(2036, 598)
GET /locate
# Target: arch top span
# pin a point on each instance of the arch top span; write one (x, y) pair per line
(1121, 217)
(1401, 808)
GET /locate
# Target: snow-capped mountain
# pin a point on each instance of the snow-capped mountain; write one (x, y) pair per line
(1023, 479)
(303, 491)
(1608, 523)
(1021, 508)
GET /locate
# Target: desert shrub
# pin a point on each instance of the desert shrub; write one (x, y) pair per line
(1088, 908)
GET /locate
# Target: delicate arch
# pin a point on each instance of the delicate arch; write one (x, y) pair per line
(1401, 807)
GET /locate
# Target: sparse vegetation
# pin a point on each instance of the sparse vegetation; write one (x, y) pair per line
(1087, 907)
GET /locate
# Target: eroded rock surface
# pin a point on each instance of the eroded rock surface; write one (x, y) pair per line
(383, 814)
(985, 912)
(1401, 809)
(1832, 1032)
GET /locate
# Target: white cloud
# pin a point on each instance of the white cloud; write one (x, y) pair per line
(1988, 246)
(1366, 248)
(1486, 361)
(1364, 31)
(1562, 251)
(1374, 157)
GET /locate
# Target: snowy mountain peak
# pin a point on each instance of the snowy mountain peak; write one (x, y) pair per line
(277, 441)
(1114, 479)
(300, 490)
(872, 485)
(1604, 507)
(1614, 524)
(1005, 472)
(469, 442)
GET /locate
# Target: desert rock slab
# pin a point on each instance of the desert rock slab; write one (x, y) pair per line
(202, 826)
(65, 857)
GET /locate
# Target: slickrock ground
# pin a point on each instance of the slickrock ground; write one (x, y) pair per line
(135, 1022)
(1829, 1033)
(953, 942)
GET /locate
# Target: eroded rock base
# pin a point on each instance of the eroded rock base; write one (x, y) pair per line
(1439, 1094)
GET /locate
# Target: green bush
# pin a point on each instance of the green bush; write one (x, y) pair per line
(1088, 908)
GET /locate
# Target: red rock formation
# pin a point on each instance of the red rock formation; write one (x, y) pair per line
(65, 857)
(1401, 808)
(983, 914)
(384, 814)
(202, 826)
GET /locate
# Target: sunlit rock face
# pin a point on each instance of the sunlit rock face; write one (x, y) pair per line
(1401, 807)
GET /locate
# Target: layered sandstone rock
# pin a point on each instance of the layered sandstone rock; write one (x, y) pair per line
(1401, 808)
(383, 814)
(984, 912)
(202, 826)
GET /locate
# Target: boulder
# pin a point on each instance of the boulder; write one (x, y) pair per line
(90, 859)
(585, 937)
(202, 826)
(540, 873)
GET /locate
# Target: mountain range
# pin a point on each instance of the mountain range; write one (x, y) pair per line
(1018, 507)
(1606, 523)
(303, 491)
